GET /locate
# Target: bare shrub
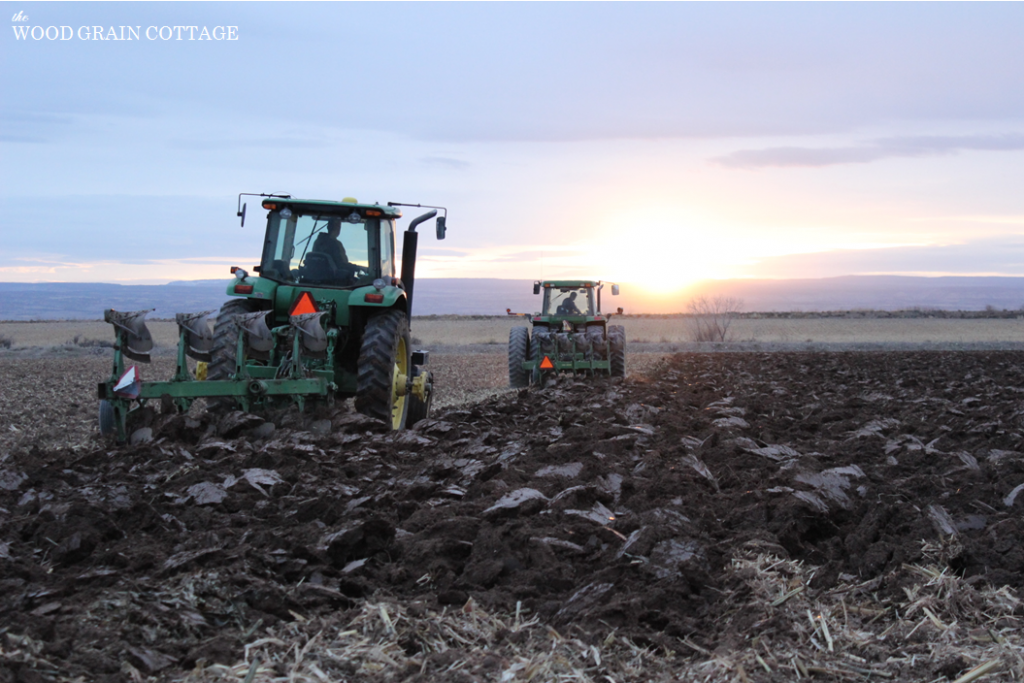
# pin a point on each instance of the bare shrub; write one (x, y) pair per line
(5, 341)
(710, 318)
(79, 340)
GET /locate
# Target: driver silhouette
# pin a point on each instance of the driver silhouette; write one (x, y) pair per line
(568, 306)
(328, 243)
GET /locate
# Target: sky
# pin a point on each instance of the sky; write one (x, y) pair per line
(652, 143)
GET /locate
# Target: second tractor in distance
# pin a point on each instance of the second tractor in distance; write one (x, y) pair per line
(570, 334)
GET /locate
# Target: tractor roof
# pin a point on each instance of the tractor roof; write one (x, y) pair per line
(570, 283)
(324, 206)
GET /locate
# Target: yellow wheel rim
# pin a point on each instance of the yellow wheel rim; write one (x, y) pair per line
(398, 378)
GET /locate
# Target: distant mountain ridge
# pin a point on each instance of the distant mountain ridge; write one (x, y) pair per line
(86, 301)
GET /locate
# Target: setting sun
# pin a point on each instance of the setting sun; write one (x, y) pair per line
(662, 251)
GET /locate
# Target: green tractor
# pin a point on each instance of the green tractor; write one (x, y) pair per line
(570, 335)
(326, 317)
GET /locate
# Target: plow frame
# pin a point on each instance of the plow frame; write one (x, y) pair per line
(572, 361)
(251, 384)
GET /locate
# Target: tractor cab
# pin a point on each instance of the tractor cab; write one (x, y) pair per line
(328, 244)
(569, 301)
(577, 300)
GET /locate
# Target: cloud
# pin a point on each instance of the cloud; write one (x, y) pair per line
(456, 164)
(992, 220)
(251, 143)
(1002, 255)
(31, 139)
(875, 150)
(31, 127)
(16, 116)
(540, 71)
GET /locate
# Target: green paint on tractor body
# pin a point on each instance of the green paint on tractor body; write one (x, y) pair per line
(326, 317)
(570, 334)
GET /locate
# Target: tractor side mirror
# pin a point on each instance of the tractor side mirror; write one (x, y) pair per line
(615, 290)
(242, 215)
(441, 227)
(536, 288)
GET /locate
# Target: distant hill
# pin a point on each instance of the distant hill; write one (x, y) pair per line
(70, 301)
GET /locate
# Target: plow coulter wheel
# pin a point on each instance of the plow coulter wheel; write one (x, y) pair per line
(518, 350)
(418, 408)
(384, 368)
(617, 341)
(108, 419)
(225, 345)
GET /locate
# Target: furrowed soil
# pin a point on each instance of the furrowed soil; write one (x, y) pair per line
(695, 512)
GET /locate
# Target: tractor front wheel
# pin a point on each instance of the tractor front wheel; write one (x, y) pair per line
(617, 342)
(385, 367)
(518, 352)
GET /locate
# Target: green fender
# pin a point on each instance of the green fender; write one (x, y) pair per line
(261, 289)
(393, 296)
(281, 296)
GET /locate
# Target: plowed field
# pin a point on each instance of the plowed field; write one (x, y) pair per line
(726, 517)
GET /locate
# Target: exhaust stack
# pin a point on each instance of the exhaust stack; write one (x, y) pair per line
(409, 257)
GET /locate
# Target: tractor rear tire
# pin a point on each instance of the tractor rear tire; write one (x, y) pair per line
(518, 352)
(617, 342)
(384, 356)
(596, 337)
(225, 345)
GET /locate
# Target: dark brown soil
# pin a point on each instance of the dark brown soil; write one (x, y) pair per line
(596, 505)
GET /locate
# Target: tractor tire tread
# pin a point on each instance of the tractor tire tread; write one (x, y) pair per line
(596, 336)
(518, 352)
(225, 344)
(617, 339)
(377, 361)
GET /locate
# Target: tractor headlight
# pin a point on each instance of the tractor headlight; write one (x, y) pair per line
(379, 284)
(240, 273)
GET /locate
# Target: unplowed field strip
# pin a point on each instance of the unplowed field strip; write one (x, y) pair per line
(458, 331)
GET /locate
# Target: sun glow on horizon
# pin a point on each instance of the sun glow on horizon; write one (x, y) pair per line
(663, 255)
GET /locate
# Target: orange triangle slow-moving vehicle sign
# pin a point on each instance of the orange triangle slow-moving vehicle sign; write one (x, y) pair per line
(304, 304)
(546, 364)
